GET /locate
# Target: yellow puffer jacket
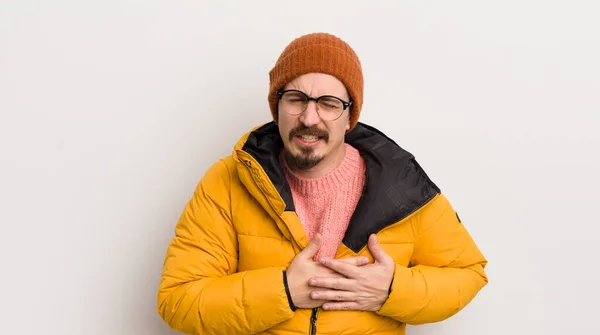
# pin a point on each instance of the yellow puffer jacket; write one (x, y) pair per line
(223, 271)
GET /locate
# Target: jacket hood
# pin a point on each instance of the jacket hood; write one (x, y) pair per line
(396, 186)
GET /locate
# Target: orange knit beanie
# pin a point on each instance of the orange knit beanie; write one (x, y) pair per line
(323, 53)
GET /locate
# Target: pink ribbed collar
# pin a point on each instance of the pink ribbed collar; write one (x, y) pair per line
(350, 165)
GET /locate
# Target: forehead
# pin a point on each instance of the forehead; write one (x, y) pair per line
(317, 84)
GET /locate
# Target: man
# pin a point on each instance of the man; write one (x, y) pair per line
(316, 223)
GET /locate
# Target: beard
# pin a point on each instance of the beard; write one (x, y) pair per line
(306, 158)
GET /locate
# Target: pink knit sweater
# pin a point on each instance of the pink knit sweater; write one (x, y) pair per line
(326, 204)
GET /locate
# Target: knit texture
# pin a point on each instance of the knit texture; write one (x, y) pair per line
(326, 204)
(319, 53)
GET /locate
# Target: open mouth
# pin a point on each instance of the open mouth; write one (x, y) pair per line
(307, 139)
(305, 136)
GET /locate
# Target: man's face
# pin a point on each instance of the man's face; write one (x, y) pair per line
(308, 137)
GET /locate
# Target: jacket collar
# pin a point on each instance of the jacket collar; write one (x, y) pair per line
(396, 186)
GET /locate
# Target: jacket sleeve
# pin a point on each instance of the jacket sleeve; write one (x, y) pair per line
(446, 272)
(200, 290)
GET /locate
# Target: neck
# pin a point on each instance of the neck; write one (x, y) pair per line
(325, 166)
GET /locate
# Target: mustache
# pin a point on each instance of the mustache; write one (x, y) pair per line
(312, 131)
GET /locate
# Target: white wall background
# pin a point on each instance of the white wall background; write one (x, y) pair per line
(111, 111)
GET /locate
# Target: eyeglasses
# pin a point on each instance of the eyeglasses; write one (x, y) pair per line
(329, 107)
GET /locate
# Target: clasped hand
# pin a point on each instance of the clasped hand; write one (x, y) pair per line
(340, 284)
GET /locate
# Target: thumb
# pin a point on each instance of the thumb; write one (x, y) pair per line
(379, 255)
(313, 247)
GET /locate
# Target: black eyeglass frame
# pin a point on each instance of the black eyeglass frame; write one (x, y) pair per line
(345, 104)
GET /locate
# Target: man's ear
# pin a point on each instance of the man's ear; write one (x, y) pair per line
(348, 122)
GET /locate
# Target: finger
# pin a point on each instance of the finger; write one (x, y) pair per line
(341, 306)
(358, 260)
(312, 248)
(377, 251)
(348, 270)
(332, 295)
(327, 272)
(343, 284)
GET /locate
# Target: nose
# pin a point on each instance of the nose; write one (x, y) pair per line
(310, 117)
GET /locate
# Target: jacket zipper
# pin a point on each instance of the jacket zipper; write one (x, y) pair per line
(253, 172)
(313, 321)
